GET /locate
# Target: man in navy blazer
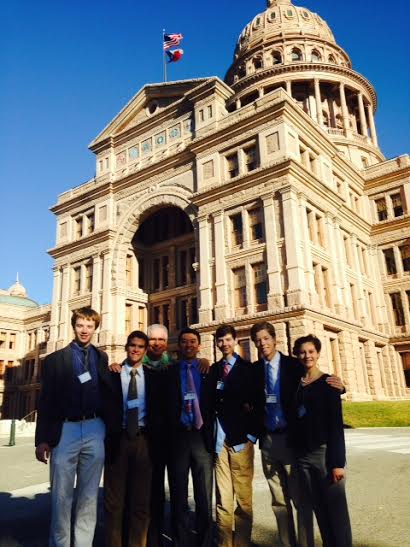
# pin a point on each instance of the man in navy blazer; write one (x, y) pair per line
(277, 376)
(190, 426)
(70, 429)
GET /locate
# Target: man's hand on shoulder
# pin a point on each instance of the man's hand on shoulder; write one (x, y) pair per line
(203, 365)
(43, 452)
(114, 367)
(335, 382)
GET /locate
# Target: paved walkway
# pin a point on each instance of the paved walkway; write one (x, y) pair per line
(377, 487)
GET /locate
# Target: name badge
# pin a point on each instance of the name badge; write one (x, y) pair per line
(271, 398)
(190, 396)
(301, 411)
(84, 377)
(133, 403)
(220, 385)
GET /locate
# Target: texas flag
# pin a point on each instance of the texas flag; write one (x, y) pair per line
(174, 55)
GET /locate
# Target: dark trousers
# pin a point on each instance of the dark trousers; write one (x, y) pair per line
(159, 458)
(327, 499)
(127, 487)
(189, 453)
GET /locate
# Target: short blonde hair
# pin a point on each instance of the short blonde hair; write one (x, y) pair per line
(86, 313)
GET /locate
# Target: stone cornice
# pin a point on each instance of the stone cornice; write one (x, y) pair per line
(84, 244)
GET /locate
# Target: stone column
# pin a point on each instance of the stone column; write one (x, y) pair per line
(309, 272)
(406, 309)
(336, 267)
(289, 87)
(106, 308)
(362, 114)
(318, 100)
(398, 260)
(95, 297)
(220, 266)
(373, 134)
(345, 113)
(360, 296)
(64, 321)
(273, 268)
(296, 293)
(55, 309)
(205, 294)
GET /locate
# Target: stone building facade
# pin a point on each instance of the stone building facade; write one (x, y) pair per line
(264, 196)
(24, 332)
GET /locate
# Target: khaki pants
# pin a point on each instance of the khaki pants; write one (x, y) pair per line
(234, 475)
(278, 462)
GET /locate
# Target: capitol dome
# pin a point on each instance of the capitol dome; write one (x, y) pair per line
(290, 47)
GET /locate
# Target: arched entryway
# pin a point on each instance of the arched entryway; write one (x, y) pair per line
(164, 246)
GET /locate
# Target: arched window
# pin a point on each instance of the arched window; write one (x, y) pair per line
(316, 57)
(272, 16)
(257, 63)
(296, 54)
(331, 59)
(276, 58)
(241, 71)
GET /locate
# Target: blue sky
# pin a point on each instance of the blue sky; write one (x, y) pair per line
(69, 66)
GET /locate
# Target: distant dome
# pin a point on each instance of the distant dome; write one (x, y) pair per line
(17, 289)
(17, 301)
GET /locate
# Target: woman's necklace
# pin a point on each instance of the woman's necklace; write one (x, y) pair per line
(305, 380)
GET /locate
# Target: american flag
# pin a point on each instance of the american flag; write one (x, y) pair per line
(172, 40)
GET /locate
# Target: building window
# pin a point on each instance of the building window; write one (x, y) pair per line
(255, 224)
(316, 57)
(405, 357)
(78, 227)
(3, 336)
(244, 348)
(250, 158)
(12, 341)
(210, 113)
(191, 271)
(296, 55)
(89, 276)
(381, 208)
(405, 257)
(77, 280)
(165, 270)
(239, 279)
(194, 311)
(397, 204)
(90, 223)
(232, 165)
(276, 58)
(128, 271)
(141, 273)
(397, 307)
(390, 261)
(165, 315)
(156, 274)
(260, 284)
(237, 229)
(331, 59)
(182, 269)
(182, 318)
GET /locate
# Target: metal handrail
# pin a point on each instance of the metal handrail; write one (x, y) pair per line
(29, 414)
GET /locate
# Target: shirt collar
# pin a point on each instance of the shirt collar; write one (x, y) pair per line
(232, 360)
(274, 362)
(194, 363)
(140, 370)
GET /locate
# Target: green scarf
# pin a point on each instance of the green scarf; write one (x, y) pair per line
(162, 364)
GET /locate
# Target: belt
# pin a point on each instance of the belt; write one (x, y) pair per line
(277, 431)
(90, 416)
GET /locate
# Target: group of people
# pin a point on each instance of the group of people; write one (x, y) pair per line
(150, 414)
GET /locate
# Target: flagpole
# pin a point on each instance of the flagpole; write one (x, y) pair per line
(164, 56)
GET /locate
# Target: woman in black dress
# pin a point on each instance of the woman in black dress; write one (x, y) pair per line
(316, 430)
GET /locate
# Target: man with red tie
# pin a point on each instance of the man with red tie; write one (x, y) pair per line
(239, 407)
(191, 430)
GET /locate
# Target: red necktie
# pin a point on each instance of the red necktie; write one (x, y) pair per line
(227, 369)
